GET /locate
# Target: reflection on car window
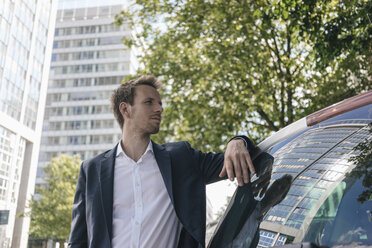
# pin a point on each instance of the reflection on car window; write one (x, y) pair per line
(363, 166)
(324, 177)
(345, 216)
(342, 220)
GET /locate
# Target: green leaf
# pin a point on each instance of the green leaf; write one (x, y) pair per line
(51, 214)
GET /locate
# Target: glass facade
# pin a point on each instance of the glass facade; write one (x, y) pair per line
(105, 67)
(25, 49)
(318, 160)
(15, 47)
(89, 61)
(90, 55)
(89, 29)
(86, 81)
(7, 139)
(266, 238)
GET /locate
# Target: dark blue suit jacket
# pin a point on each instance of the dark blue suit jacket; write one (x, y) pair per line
(185, 171)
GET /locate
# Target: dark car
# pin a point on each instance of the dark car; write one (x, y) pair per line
(320, 192)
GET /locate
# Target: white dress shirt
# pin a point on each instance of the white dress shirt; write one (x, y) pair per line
(143, 215)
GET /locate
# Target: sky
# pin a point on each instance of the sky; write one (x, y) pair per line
(71, 4)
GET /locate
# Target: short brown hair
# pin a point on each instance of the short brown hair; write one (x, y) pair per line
(126, 92)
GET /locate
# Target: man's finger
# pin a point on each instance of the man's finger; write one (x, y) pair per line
(244, 169)
(223, 171)
(250, 164)
(238, 171)
(229, 169)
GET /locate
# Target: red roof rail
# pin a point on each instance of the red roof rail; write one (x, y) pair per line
(339, 108)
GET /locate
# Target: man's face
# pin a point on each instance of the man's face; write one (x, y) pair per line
(145, 113)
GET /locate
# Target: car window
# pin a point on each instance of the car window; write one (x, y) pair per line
(320, 161)
(342, 219)
(345, 217)
(330, 192)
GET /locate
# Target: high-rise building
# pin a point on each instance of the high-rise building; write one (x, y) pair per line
(26, 36)
(89, 61)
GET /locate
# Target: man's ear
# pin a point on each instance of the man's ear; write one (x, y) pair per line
(124, 109)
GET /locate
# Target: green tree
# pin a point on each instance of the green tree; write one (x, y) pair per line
(341, 33)
(51, 211)
(249, 65)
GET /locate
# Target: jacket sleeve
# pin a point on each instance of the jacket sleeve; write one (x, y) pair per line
(211, 164)
(78, 235)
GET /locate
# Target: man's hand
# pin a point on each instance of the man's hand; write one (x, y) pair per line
(236, 161)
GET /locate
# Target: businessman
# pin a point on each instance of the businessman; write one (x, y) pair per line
(141, 194)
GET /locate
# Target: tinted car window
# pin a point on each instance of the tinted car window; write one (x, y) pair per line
(320, 162)
(329, 201)
(341, 219)
(345, 217)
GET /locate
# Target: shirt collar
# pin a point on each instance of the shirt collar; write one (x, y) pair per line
(120, 151)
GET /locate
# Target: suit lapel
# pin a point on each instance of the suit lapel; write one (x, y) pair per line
(106, 173)
(164, 162)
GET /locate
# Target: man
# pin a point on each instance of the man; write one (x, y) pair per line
(141, 194)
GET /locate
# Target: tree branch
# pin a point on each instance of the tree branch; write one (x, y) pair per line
(267, 119)
(289, 88)
(277, 52)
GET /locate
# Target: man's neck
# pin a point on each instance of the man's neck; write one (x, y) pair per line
(134, 145)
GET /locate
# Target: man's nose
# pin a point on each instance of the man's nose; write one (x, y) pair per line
(159, 108)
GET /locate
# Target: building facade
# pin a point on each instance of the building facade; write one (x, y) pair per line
(89, 61)
(26, 36)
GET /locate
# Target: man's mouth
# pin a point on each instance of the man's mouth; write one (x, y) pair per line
(156, 118)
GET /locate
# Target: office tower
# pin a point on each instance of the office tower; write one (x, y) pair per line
(26, 36)
(89, 61)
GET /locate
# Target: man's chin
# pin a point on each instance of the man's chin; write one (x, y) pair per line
(155, 131)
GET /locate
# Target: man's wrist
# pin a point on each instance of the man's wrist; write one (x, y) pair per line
(239, 138)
